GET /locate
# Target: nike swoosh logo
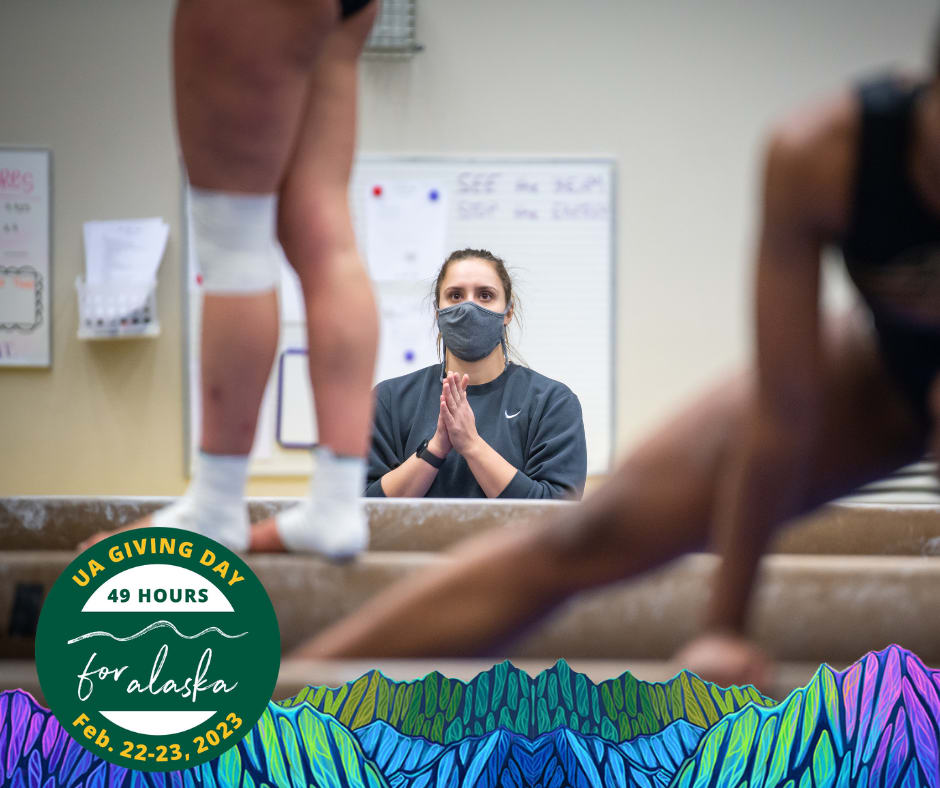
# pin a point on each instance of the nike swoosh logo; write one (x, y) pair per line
(513, 415)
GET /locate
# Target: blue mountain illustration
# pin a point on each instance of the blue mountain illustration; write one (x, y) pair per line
(875, 724)
(286, 747)
(560, 758)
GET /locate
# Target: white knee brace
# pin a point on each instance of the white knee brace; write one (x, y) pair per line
(235, 241)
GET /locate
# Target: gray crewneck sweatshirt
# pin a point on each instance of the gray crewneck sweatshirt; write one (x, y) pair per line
(534, 422)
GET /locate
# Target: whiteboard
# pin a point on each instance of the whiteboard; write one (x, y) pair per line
(25, 281)
(552, 220)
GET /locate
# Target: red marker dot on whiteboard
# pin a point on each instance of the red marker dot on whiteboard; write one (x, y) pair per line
(198, 279)
(377, 191)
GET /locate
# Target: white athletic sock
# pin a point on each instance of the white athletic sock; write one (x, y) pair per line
(214, 503)
(332, 521)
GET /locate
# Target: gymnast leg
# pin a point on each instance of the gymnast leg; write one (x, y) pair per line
(342, 327)
(242, 76)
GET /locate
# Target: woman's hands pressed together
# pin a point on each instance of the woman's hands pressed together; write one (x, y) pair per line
(488, 467)
(440, 444)
(456, 415)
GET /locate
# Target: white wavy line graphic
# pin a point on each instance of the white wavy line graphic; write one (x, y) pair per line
(154, 625)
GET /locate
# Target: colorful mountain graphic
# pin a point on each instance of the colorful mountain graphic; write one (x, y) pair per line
(287, 747)
(446, 710)
(554, 760)
(875, 724)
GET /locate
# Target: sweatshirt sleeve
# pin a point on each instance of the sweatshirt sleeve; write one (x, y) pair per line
(556, 463)
(382, 453)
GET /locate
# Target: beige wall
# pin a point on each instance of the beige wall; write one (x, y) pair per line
(679, 92)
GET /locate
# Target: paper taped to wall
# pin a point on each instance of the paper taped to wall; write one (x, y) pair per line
(406, 225)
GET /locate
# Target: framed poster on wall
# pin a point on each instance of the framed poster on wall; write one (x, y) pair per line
(25, 257)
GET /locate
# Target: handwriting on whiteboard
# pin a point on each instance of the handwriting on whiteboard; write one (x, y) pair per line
(531, 197)
(15, 181)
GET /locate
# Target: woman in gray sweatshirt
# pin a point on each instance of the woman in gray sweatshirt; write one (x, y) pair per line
(477, 425)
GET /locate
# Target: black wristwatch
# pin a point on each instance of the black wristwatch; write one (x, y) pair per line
(429, 457)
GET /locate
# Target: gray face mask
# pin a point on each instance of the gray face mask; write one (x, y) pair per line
(469, 331)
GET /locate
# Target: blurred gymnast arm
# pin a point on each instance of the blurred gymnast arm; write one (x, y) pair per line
(767, 481)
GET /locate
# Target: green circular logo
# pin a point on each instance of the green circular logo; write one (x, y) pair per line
(157, 649)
